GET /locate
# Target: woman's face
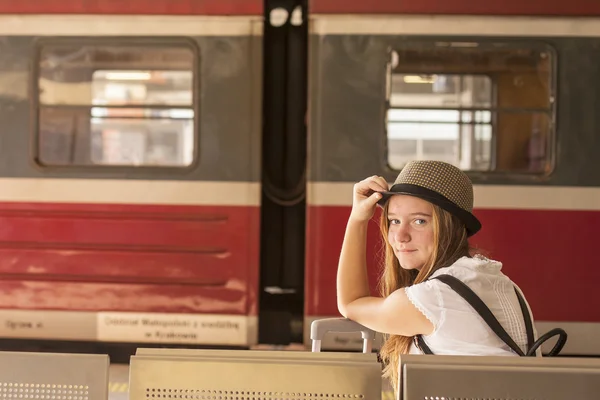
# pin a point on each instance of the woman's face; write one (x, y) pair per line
(410, 232)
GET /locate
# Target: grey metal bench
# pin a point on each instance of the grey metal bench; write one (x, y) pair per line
(426, 377)
(321, 327)
(163, 374)
(53, 376)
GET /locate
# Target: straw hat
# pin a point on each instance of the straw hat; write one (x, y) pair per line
(439, 183)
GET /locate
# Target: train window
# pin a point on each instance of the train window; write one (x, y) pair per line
(116, 105)
(479, 106)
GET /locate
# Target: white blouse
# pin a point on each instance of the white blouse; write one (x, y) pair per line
(458, 329)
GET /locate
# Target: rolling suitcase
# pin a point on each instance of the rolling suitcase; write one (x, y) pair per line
(319, 328)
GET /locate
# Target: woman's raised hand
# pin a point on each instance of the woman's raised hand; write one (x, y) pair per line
(365, 197)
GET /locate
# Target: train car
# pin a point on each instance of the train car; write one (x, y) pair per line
(507, 92)
(180, 172)
(130, 171)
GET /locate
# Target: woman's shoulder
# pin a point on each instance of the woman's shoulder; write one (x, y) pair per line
(477, 272)
(473, 268)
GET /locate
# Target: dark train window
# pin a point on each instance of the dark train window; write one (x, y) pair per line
(479, 106)
(116, 105)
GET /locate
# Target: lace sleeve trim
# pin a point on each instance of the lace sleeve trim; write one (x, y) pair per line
(419, 306)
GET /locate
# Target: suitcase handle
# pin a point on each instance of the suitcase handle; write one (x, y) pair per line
(320, 327)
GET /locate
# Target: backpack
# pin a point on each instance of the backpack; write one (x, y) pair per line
(466, 293)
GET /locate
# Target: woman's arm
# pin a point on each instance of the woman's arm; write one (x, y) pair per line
(352, 279)
(394, 314)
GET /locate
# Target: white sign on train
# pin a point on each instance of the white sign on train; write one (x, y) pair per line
(171, 328)
(46, 324)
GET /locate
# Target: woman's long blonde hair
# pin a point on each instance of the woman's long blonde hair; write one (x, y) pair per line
(450, 244)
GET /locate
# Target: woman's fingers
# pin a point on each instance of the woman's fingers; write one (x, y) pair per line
(366, 195)
(370, 185)
(382, 182)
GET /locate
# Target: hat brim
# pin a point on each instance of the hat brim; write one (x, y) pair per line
(472, 224)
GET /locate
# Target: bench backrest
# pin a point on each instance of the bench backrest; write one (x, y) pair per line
(53, 376)
(483, 377)
(163, 374)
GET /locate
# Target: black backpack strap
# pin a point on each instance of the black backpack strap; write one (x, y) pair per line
(534, 345)
(420, 342)
(466, 293)
(527, 318)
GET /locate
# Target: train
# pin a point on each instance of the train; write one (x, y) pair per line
(181, 172)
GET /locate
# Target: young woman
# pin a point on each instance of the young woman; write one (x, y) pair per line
(426, 221)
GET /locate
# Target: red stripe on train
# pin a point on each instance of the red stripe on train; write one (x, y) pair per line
(162, 7)
(551, 255)
(129, 257)
(468, 7)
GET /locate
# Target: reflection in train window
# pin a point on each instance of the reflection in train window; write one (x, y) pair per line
(481, 107)
(116, 105)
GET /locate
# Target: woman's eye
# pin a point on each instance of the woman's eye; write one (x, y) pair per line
(420, 221)
(394, 221)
